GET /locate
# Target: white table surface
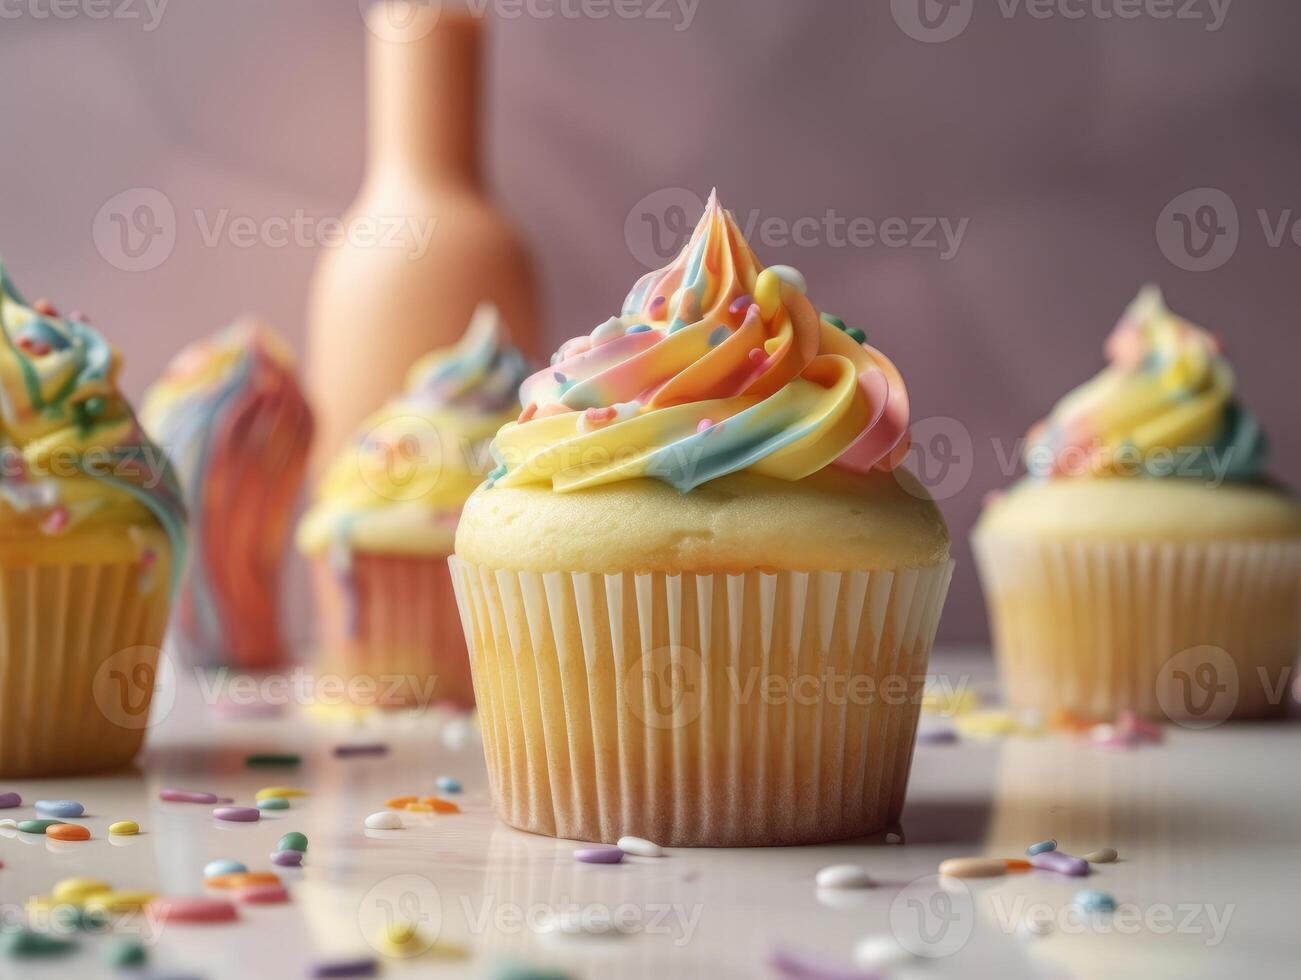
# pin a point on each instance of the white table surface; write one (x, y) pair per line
(1206, 824)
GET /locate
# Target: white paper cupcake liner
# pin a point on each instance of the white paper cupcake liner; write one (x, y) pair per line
(79, 646)
(692, 709)
(1194, 632)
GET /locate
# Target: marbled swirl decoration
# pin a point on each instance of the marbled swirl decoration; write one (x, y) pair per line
(232, 416)
(1166, 405)
(72, 455)
(716, 365)
(399, 486)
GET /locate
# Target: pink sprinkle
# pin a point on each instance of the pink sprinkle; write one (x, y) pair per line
(238, 814)
(704, 424)
(757, 356)
(262, 895)
(528, 413)
(599, 416)
(45, 308)
(657, 302)
(56, 520)
(147, 558)
(33, 346)
(186, 796)
(191, 910)
(740, 304)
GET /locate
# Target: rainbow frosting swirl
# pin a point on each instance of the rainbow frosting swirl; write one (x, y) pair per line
(400, 484)
(715, 365)
(72, 455)
(1165, 405)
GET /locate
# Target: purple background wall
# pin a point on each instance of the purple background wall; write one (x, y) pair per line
(1059, 141)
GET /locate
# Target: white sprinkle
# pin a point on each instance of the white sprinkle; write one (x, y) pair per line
(791, 276)
(893, 838)
(589, 921)
(8, 823)
(458, 733)
(640, 846)
(880, 952)
(843, 876)
(384, 820)
(1037, 924)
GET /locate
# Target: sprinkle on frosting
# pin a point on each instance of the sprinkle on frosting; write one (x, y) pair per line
(1165, 405)
(400, 484)
(71, 451)
(715, 338)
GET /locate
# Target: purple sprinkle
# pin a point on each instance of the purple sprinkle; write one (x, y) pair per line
(288, 859)
(937, 736)
(1060, 862)
(186, 796)
(658, 301)
(740, 304)
(558, 376)
(598, 855)
(798, 965)
(369, 748)
(363, 966)
(8, 800)
(240, 814)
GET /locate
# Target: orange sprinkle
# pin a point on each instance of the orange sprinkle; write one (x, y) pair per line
(442, 806)
(242, 879)
(399, 802)
(67, 831)
(1017, 864)
(418, 808)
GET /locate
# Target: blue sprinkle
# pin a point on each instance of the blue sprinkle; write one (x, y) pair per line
(448, 784)
(1090, 900)
(497, 472)
(223, 866)
(1041, 846)
(640, 328)
(59, 808)
(718, 335)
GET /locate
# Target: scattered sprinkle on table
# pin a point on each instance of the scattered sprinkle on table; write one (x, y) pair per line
(1061, 863)
(384, 820)
(1017, 864)
(292, 841)
(418, 808)
(881, 952)
(78, 889)
(71, 917)
(937, 736)
(262, 759)
(598, 855)
(1041, 846)
(284, 792)
(1037, 924)
(440, 806)
(238, 814)
(640, 847)
(843, 876)
(973, 867)
(1103, 856)
(59, 808)
(273, 803)
(25, 942)
(448, 784)
(9, 800)
(36, 826)
(222, 866)
(287, 859)
(68, 832)
(522, 971)
(124, 828)
(798, 964)
(128, 953)
(262, 895)
(127, 901)
(242, 879)
(400, 802)
(362, 966)
(349, 751)
(186, 796)
(191, 910)
(1091, 900)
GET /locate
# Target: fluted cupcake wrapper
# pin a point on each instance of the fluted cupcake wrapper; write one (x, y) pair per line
(391, 632)
(79, 648)
(1195, 632)
(692, 709)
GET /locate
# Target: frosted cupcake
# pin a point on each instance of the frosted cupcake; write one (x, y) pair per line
(232, 417)
(385, 515)
(699, 596)
(1146, 563)
(91, 527)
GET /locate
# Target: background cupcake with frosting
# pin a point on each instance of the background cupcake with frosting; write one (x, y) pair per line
(384, 521)
(92, 529)
(1146, 563)
(699, 593)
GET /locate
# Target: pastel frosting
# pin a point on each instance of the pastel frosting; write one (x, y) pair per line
(716, 365)
(400, 484)
(1166, 405)
(72, 454)
(231, 413)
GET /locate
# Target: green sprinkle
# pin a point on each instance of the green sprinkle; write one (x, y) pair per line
(292, 841)
(72, 917)
(856, 335)
(835, 321)
(273, 803)
(273, 759)
(95, 406)
(25, 942)
(127, 953)
(36, 826)
(522, 971)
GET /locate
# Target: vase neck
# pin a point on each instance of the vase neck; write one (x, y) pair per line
(423, 66)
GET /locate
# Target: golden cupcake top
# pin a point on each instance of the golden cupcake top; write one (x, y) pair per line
(399, 484)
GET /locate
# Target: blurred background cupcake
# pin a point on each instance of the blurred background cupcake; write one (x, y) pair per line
(231, 415)
(699, 597)
(384, 520)
(1146, 563)
(91, 529)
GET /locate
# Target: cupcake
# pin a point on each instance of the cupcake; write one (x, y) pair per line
(233, 419)
(384, 520)
(1146, 563)
(698, 593)
(91, 529)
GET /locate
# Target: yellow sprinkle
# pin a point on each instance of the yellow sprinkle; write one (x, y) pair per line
(418, 808)
(119, 901)
(450, 950)
(772, 343)
(281, 791)
(768, 293)
(75, 890)
(124, 828)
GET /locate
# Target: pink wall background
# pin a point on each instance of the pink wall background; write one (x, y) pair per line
(1060, 142)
